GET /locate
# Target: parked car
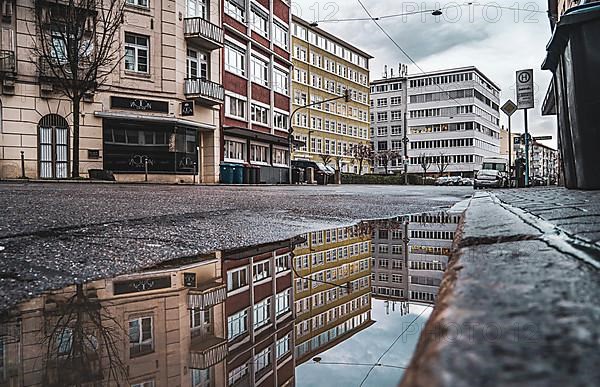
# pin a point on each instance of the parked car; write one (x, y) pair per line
(454, 180)
(441, 180)
(466, 181)
(493, 173)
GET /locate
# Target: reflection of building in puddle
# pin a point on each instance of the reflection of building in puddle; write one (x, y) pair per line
(331, 288)
(410, 255)
(259, 313)
(163, 326)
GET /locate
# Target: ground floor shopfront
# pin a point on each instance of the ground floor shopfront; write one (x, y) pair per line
(268, 153)
(125, 135)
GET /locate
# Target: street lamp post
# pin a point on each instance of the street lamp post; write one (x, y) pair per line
(346, 97)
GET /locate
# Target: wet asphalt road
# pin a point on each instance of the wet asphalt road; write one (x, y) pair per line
(55, 234)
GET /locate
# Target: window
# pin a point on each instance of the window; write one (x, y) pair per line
(282, 346)
(235, 58)
(282, 302)
(259, 114)
(282, 263)
(383, 277)
(201, 377)
(396, 278)
(262, 359)
(196, 64)
(280, 81)
(139, 3)
(147, 383)
(262, 313)
(237, 374)
(261, 270)
(196, 8)
(280, 35)
(259, 153)
(140, 336)
(259, 21)
(396, 115)
(382, 117)
(235, 9)
(136, 53)
(260, 70)
(281, 120)
(280, 156)
(237, 278)
(200, 321)
(234, 150)
(235, 107)
(237, 324)
(395, 101)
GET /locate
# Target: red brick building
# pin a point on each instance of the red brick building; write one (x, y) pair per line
(256, 77)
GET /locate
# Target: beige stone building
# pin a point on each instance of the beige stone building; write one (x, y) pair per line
(161, 327)
(161, 104)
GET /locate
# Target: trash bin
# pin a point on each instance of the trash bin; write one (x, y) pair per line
(238, 173)
(574, 60)
(256, 175)
(226, 172)
(297, 175)
(247, 174)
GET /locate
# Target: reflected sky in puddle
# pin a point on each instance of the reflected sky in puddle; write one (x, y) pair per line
(256, 316)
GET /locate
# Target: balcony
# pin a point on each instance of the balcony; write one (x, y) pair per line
(7, 63)
(203, 33)
(204, 296)
(204, 91)
(206, 351)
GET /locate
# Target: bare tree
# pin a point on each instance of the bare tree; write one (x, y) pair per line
(425, 162)
(387, 156)
(76, 45)
(338, 168)
(326, 158)
(442, 162)
(361, 152)
(83, 342)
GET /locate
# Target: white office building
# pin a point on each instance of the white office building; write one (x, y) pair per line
(453, 121)
(388, 106)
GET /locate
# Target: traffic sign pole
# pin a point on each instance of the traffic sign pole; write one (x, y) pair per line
(526, 150)
(510, 169)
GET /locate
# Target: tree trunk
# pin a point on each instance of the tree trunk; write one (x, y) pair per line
(360, 166)
(76, 107)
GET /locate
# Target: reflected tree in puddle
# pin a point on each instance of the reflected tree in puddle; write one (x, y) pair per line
(81, 341)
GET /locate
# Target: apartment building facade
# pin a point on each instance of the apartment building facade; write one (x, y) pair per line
(453, 121)
(325, 66)
(410, 255)
(159, 109)
(116, 331)
(259, 315)
(331, 288)
(388, 107)
(256, 76)
(543, 160)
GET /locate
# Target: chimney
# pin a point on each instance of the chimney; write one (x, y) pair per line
(391, 72)
(385, 71)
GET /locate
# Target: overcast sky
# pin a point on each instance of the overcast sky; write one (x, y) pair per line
(497, 41)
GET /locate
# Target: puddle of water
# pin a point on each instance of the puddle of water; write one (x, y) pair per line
(345, 305)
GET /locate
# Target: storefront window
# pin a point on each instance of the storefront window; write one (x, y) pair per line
(259, 153)
(234, 150)
(280, 156)
(169, 149)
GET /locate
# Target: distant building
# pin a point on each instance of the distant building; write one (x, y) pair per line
(324, 67)
(388, 107)
(504, 141)
(543, 160)
(453, 118)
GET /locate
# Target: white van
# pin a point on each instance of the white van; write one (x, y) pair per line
(493, 173)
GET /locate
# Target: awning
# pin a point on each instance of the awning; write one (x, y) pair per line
(549, 105)
(560, 36)
(253, 135)
(156, 119)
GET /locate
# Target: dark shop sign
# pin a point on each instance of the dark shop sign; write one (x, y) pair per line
(141, 285)
(187, 108)
(140, 104)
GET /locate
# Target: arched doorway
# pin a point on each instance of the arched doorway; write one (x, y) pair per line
(53, 147)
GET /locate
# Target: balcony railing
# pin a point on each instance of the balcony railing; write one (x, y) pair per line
(205, 33)
(206, 351)
(7, 62)
(207, 295)
(205, 91)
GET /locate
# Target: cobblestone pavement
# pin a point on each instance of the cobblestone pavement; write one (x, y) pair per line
(576, 212)
(52, 234)
(518, 305)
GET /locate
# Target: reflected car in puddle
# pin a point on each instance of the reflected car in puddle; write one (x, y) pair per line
(328, 303)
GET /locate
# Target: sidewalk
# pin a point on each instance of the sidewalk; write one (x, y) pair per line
(518, 305)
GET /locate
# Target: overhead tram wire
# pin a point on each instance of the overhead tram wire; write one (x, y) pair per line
(423, 72)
